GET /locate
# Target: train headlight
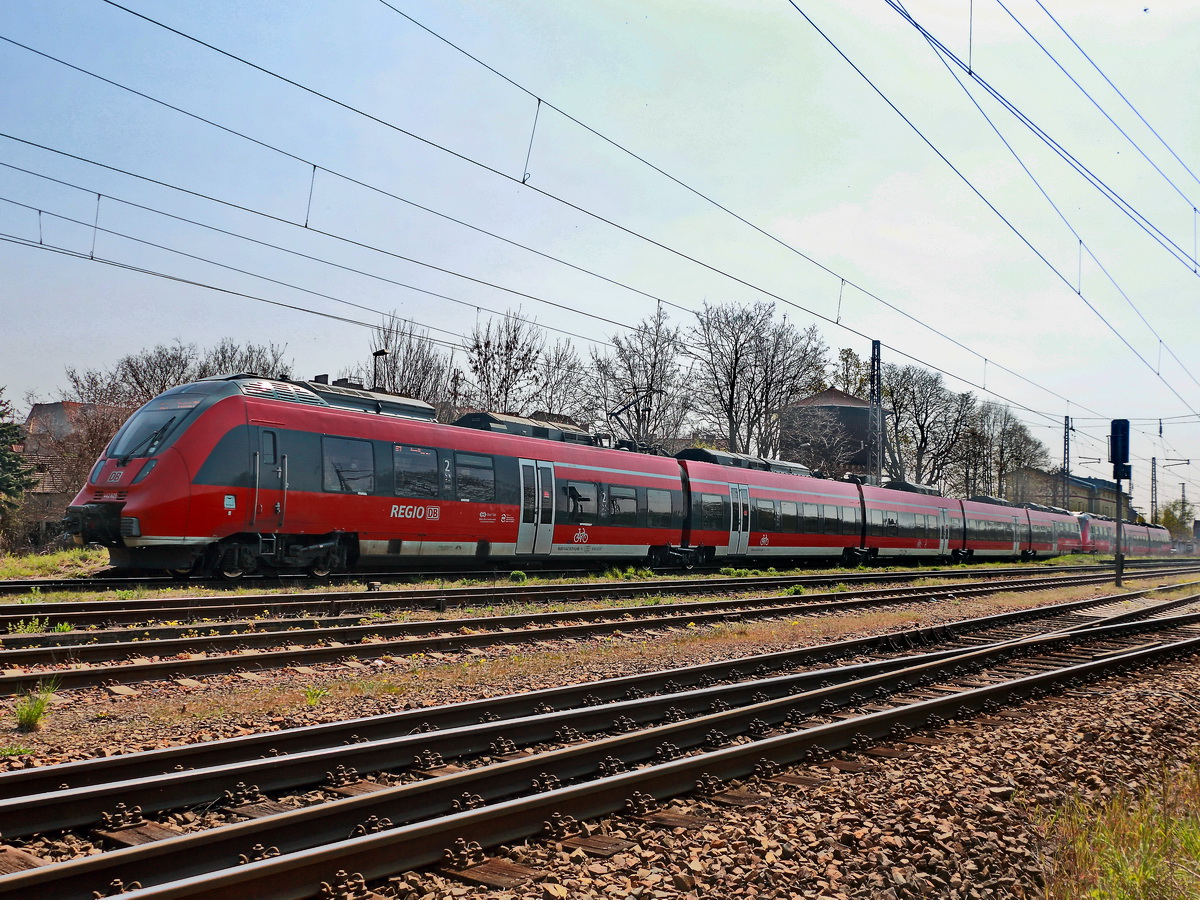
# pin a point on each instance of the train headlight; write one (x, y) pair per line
(146, 469)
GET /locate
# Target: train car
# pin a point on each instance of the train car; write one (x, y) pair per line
(1051, 532)
(912, 523)
(995, 530)
(1099, 535)
(765, 509)
(239, 473)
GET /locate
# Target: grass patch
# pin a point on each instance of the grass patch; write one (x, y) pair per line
(14, 750)
(62, 563)
(31, 708)
(314, 695)
(1143, 846)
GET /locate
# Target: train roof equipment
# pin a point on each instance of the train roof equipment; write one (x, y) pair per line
(913, 488)
(743, 461)
(529, 427)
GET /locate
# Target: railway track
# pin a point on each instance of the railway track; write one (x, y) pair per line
(179, 651)
(102, 583)
(322, 603)
(581, 751)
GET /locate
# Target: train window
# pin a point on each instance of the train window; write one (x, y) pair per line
(349, 466)
(416, 471)
(476, 478)
(269, 450)
(832, 521)
(658, 506)
(578, 502)
(714, 512)
(850, 520)
(528, 495)
(812, 519)
(622, 505)
(764, 516)
(789, 519)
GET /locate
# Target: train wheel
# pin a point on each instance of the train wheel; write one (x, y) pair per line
(319, 569)
(231, 573)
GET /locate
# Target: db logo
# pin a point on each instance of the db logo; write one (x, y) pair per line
(764, 541)
(433, 512)
(115, 476)
(581, 536)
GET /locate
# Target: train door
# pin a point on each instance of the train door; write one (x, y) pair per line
(739, 526)
(268, 507)
(944, 533)
(535, 533)
(1016, 535)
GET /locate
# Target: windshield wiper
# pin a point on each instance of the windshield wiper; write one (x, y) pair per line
(147, 441)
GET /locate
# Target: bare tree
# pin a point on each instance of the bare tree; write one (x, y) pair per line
(413, 366)
(229, 358)
(790, 362)
(642, 384)
(850, 373)
(993, 446)
(819, 439)
(564, 385)
(750, 367)
(137, 378)
(925, 424)
(503, 358)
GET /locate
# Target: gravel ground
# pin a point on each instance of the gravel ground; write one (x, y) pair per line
(99, 722)
(959, 819)
(963, 819)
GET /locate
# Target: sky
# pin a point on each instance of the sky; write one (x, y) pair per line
(319, 165)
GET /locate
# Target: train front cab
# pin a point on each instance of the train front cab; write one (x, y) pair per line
(138, 499)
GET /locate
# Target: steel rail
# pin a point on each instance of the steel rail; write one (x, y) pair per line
(296, 834)
(524, 628)
(18, 681)
(122, 767)
(106, 645)
(325, 602)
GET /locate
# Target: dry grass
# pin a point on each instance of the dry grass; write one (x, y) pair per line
(1129, 847)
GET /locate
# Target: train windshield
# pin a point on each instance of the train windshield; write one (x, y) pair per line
(151, 427)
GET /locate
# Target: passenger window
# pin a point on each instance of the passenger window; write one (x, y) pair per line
(716, 512)
(789, 520)
(578, 502)
(348, 466)
(476, 479)
(528, 495)
(812, 518)
(832, 520)
(764, 516)
(416, 471)
(658, 506)
(850, 520)
(622, 505)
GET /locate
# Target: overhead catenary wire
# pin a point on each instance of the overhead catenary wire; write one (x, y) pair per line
(1116, 199)
(1119, 93)
(913, 358)
(1165, 177)
(1083, 246)
(356, 271)
(1016, 231)
(624, 229)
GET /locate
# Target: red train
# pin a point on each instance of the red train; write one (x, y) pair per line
(240, 473)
